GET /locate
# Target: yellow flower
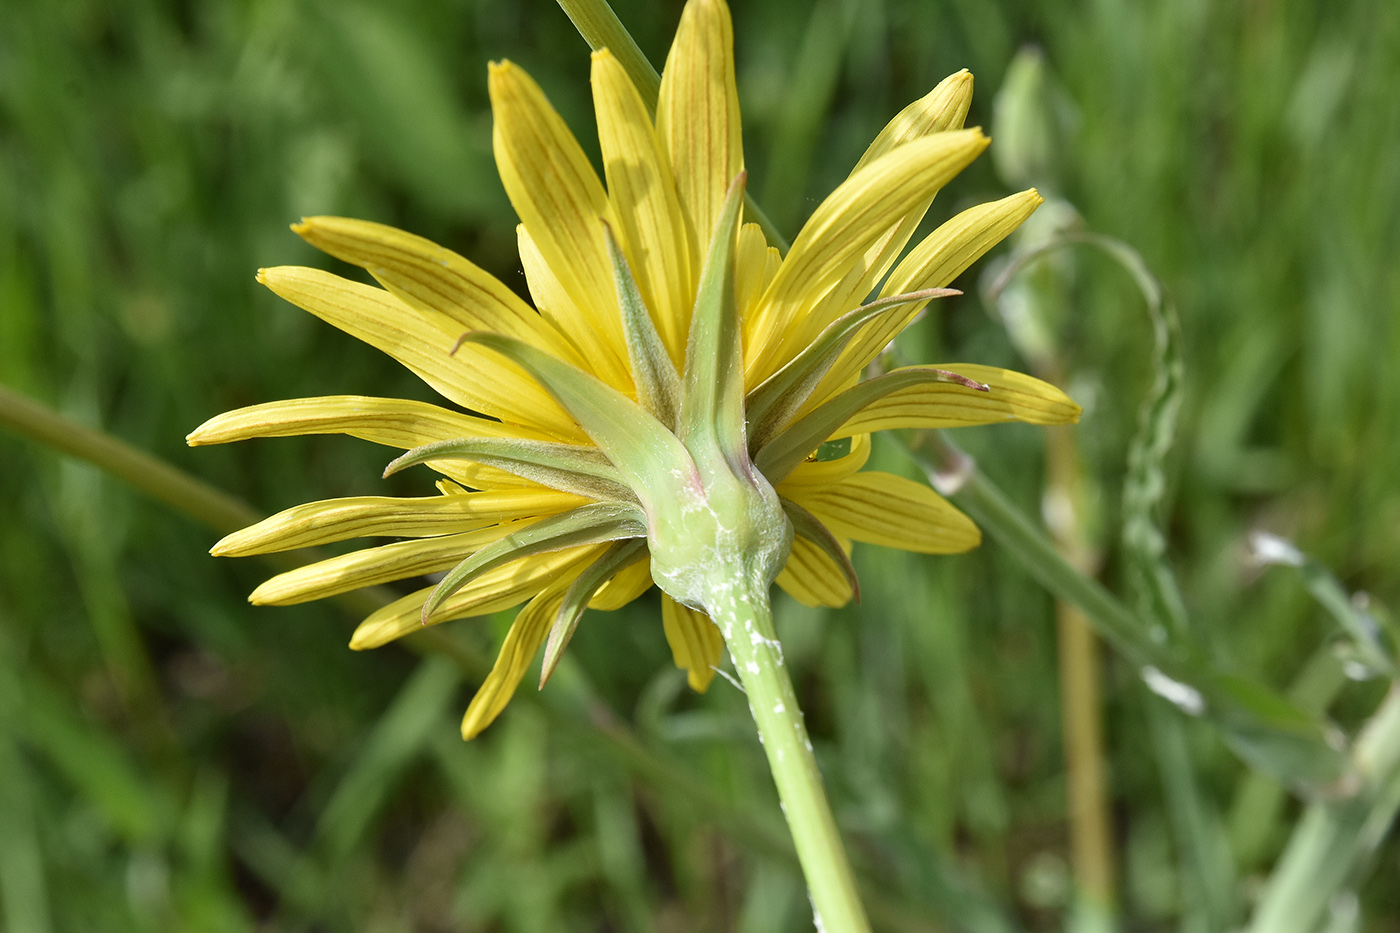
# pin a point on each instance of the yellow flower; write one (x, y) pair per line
(557, 487)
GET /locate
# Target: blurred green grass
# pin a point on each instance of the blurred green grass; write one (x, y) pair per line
(172, 758)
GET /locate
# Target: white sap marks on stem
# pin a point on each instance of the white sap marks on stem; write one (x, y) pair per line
(779, 708)
(1183, 696)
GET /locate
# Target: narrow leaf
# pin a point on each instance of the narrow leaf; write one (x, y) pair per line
(621, 555)
(572, 468)
(792, 445)
(591, 524)
(658, 385)
(647, 454)
(807, 525)
(783, 393)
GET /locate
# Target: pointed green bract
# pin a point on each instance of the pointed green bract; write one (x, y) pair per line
(807, 525)
(658, 385)
(618, 557)
(792, 445)
(648, 455)
(590, 524)
(713, 410)
(571, 468)
(780, 395)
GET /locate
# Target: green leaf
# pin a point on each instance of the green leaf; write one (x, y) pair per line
(618, 557)
(792, 445)
(779, 396)
(713, 408)
(658, 385)
(574, 468)
(807, 525)
(648, 456)
(590, 524)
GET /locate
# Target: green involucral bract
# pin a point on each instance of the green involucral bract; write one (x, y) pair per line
(729, 533)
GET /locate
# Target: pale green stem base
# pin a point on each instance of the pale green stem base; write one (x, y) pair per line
(746, 621)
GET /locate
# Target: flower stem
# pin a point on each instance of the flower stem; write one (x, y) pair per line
(746, 620)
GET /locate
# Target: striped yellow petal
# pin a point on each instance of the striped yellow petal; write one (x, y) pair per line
(942, 109)
(328, 520)
(548, 294)
(816, 473)
(372, 566)
(472, 378)
(493, 591)
(850, 221)
(881, 508)
(432, 278)
(755, 265)
(934, 263)
(1011, 396)
(561, 202)
(651, 227)
(624, 586)
(812, 577)
(697, 116)
(523, 641)
(389, 421)
(696, 643)
(957, 244)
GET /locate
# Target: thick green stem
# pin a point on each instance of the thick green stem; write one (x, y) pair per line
(747, 623)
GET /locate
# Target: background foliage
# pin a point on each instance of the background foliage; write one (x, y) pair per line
(172, 758)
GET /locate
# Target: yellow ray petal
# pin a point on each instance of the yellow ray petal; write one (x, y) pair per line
(560, 200)
(390, 421)
(755, 264)
(957, 244)
(697, 115)
(626, 585)
(942, 109)
(881, 508)
(501, 588)
(848, 223)
(329, 520)
(522, 643)
(430, 277)
(651, 227)
(473, 378)
(372, 566)
(549, 296)
(814, 473)
(936, 262)
(696, 644)
(812, 578)
(1013, 396)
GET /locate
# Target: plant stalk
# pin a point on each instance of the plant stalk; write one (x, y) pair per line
(746, 620)
(1335, 839)
(1081, 705)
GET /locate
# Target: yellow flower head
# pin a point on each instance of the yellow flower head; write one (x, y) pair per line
(657, 414)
